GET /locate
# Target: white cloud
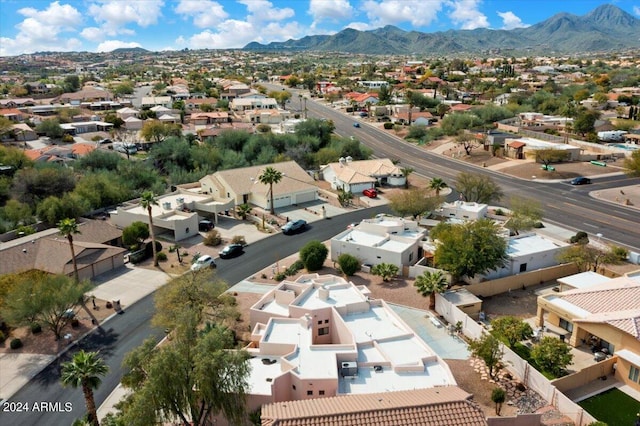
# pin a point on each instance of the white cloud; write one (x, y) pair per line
(109, 45)
(233, 34)
(636, 10)
(94, 34)
(41, 29)
(205, 13)
(392, 12)
(360, 26)
(263, 11)
(330, 10)
(511, 21)
(114, 14)
(466, 14)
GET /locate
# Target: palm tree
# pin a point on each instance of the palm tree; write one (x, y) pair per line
(268, 177)
(243, 210)
(85, 370)
(406, 171)
(429, 284)
(69, 227)
(437, 184)
(147, 201)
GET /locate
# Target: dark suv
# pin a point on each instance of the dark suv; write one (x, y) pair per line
(294, 226)
(581, 180)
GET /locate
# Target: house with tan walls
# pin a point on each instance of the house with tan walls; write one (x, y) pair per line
(356, 176)
(321, 336)
(601, 314)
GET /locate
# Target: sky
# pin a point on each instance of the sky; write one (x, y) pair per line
(28, 26)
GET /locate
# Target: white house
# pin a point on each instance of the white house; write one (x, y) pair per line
(463, 210)
(384, 239)
(356, 176)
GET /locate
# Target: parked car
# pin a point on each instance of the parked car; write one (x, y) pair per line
(370, 192)
(580, 180)
(203, 261)
(232, 250)
(294, 226)
(356, 124)
(205, 225)
(352, 225)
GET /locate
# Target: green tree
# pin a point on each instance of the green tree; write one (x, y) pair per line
(281, 97)
(385, 270)
(134, 234)
(50, 128)
(269, 177)
(348, 263)
(498, 396)
(469, 248)
(585, 121)
(85, 371)
(588, 258)
(477, 188)
(437, 185)
(488, 349)
(406, 171)
(45, 301)
(511, 329)
(243, 210)
(68, 228)
(313, 255)
(14, 157)
(430, 283)
(32, 185)
(551, 155)
(525, 213)
(344, 197)
(413, 202)
(632, 164)
(147, 201)
(157, 131)
(53, 209)
(16, 213)
(467, 141)
(6, 126)
(552, 355)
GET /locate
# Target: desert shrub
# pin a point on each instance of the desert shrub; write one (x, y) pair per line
(349, 264)
(280, 276)
(239, 239)
(67, 138)
(15, 343)
(294, 268)
(581, 237)
(36, 328)
(538, 225)
(212, 238)
(2, 337)
(499, 212)
(75, 323)
(263, 276)
(388, 125)
(619, 253)
(162, 256)
(313, 255)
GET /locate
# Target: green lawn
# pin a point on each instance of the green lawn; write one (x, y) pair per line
(613, 407)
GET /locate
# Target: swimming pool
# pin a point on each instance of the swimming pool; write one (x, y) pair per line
(627, 146)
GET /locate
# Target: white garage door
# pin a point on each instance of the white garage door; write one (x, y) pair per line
(282, 201)
(305, 197)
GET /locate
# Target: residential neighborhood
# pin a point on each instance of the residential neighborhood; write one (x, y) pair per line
(343, 237)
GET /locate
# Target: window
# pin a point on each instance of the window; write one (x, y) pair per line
(322, 331)
(634, 372)
(321, 392)
(523, 267)
(294, 387)
(309, 392)
(566, 325)
(320, 322)
(326, 321)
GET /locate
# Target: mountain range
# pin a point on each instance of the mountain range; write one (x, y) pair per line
(606, 28)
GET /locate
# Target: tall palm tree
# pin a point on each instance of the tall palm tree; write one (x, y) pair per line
(406, 171)
(437, 184)
(69, 227)
(429, 284)
(268, 177)
(147, 201)
(85, 371)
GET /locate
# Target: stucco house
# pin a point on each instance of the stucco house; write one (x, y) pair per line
(603, 315)
(384, 239)
(463, 210)
(356, 176)
(242, 185)
(321, 336)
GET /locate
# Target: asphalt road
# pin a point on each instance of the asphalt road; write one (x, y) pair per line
(564, 204)
(125, 332)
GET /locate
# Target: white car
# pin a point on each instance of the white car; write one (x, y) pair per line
(203, 262)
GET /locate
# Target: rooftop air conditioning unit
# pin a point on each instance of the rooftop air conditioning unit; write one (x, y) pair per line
(349, 369)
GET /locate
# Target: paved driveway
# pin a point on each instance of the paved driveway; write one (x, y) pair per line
(128, 284)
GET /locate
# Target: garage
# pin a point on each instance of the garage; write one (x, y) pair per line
(305, 197)
(282, 201)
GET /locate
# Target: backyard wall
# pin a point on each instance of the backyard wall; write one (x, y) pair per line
(528, 375)
(586, 375)
(526, 279)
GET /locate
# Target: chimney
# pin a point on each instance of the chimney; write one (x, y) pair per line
(323, 293)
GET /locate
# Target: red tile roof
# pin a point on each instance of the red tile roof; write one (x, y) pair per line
(516, 144)
(440, 406)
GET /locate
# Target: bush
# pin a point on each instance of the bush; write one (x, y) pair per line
(349, 264)
(67, 138)
(538, 225)
(162, 256)
(280, 276)
(294, 268)
(619, 253)
(35, 328)
(388, 125)
(239, 239)
(581, 237)
(499, 212)
(15, 343)
(2, 337)
(313, 255)
(75, 323)
(212, 238)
